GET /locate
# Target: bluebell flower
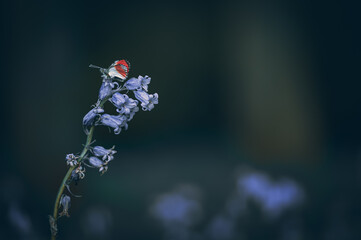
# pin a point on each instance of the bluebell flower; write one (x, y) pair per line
(116, 122)
(133, 84)
(142, 96)
(96, 162)
(109, 82)
(65, 203)
(131, 114)
(138, 83)
(106, 154)
(124, 103)
(152, 100)
(71, 159)
(144, 82)
(105, 91)
(74, 176)
(89, 118)
(78, 173)
(148, 100)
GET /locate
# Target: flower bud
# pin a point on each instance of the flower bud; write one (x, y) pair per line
(89, 118)
(96, 162)
(65, 203)
(106, 154)
(105, 91)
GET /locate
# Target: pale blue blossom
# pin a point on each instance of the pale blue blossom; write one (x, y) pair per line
(131, 113)
(144, 81)
(71, 159)
(148, 100)
(142, 96)
(124, 103)
(133, 84)
(178, 208)
(89, 118)
(65, 203)
(106, 154)
(97, 163)
(113, 121)
(75, 176)
(152, 100)
(273, 197)
(138, 83)
(105, 91)
(78, 173)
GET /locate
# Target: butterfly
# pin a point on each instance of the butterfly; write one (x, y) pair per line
(119, 69)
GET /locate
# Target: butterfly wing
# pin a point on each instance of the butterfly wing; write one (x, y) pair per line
(119, 69)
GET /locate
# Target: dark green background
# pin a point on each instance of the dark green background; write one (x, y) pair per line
(270, 85)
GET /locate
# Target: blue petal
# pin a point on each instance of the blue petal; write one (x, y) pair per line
(99, 151)
(89, 118)
(153, 99)
(145, 81)
(142, 96)
(118, 99)
(133, 84)
(105, 90)
(95, 162)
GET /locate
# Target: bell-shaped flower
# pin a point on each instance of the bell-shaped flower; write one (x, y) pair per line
(97, 163)
(133, 84)
(138, 83)
(65, 203)
(142, 96)
(107, 87)
(78, 173)
(118, 99)
(89, 118)
(75, 176)
(105, 91)
(131, 114)
(144, 81)
(106, 154)
(71, 159)
(116, 122)
(152, 100)
(124, 103)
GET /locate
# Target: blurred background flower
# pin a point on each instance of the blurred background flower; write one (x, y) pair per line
(97, 223)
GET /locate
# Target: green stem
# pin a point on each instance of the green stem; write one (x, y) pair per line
(53, 219)
(65, 179)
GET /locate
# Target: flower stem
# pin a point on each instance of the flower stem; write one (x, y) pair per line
(53, 222)
(53, 219)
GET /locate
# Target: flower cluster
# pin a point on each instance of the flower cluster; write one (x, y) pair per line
(114, 89)
(125, 105)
